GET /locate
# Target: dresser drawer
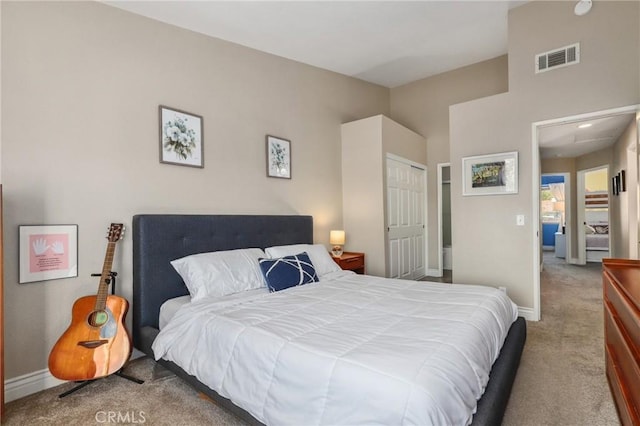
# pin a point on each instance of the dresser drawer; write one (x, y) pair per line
(352, 263)
(625, 412)
(623, 360)
(626, 312)
(621, 297)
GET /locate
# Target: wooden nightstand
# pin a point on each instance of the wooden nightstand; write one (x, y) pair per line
(351, 261)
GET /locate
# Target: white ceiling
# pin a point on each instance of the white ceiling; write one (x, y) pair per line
(568, 140)
(389, 43)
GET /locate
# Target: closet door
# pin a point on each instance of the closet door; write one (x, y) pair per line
(406, 198)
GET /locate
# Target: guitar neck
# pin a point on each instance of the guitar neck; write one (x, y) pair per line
(105, 277)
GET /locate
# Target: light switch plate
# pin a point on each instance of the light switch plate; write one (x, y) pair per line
(520, 220)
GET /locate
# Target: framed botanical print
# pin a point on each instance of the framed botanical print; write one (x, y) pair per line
(278, 157)
(181, 138)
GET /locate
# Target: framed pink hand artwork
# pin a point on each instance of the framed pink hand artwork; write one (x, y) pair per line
(48, 252)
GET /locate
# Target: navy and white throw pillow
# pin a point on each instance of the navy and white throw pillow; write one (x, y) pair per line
(288, 271)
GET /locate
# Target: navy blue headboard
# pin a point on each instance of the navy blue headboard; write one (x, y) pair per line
(160, 238)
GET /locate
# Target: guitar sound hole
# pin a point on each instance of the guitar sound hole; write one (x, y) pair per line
(98, 318)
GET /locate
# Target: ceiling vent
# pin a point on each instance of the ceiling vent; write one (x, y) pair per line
(558, 58)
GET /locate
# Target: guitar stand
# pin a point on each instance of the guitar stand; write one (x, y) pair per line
(88, 382)
(119, 373)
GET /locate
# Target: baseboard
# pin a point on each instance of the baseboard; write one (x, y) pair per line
(433, 273)
(527, 313)
(28, 384)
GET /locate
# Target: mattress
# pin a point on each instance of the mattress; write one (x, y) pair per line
(351, 350)
(169, 308)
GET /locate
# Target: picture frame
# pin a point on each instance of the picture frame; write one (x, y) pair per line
(623, 181)
(181, 137)
(614, 185)
(278, 157)
(47, 252)
(491, 174)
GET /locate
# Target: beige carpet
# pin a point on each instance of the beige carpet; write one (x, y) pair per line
(561, 379)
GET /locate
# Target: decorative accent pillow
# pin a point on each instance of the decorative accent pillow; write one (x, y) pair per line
(320, 257)
(288, 271)
(220, 273)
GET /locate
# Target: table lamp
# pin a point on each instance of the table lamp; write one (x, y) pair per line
(336, 239)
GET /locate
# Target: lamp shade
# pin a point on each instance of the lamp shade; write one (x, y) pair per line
(336, 237)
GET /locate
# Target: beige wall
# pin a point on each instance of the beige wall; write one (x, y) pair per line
(624, 206)
(489, 247)
(363, 191)
(558, 165)
(594, 159)
(403, 142)
(423, 106)
(82, 82)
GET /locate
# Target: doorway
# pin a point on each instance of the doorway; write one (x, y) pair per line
(536, 129)
(445, 250)
(555, 215)
(593, 215)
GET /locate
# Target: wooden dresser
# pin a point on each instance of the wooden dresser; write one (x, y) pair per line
(621, 295)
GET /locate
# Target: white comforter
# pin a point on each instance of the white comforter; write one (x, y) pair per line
(350, 350)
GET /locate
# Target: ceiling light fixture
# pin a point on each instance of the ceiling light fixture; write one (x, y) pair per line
(585, 125)
(582, 7)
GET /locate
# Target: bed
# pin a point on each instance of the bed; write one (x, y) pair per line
(596, 225)
(597, 240)
(159, 239)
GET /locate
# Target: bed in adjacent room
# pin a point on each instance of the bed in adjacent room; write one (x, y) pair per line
(341, 349)
(596, 225)
(597, 241)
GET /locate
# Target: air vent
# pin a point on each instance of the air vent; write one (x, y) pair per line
(557, 58)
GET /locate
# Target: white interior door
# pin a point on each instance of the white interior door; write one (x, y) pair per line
(406, 207)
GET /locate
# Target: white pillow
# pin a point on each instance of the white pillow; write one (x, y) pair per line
(220, 273)
(318, 254)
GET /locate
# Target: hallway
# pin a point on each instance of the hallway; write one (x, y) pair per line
(561, 379)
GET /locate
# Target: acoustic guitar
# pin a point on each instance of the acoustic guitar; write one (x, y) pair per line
(97, 343)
